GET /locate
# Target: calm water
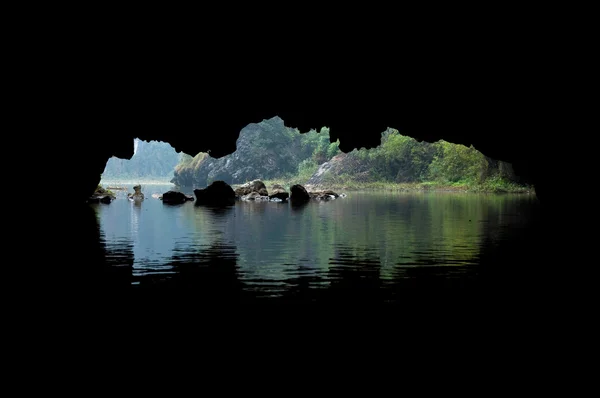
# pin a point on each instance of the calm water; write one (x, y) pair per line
(367, 246)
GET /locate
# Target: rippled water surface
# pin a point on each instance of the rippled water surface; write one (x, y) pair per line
(368, 245)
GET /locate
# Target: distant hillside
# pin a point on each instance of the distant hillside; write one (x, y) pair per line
(151, 160)
(265, 150)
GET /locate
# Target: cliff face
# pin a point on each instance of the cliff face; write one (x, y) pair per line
(264, 150)
(152, 159)
(339, 165)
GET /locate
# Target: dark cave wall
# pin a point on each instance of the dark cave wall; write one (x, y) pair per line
(487, 82)
(501, 109)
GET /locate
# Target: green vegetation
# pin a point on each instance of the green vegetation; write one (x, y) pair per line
(318, 146)
(187, 161)
(275, 153)
(347, 183)
(402, 163)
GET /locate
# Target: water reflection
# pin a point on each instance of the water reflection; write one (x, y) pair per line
(367, 247)
(86, 261)
(209, 272)
(218, 211)
(355, 274)
(298, 206)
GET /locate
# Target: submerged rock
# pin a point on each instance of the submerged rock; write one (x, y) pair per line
(278, 192)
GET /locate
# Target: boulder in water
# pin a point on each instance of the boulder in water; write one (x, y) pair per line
(278, 192)
(175, 197)
(252, 186)
(299, 194)
(218, 193)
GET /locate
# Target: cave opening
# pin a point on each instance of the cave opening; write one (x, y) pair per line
(406, 215)
(278, 154)
(394, 230)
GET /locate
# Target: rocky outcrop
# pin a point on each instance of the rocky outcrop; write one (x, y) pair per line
(175, 197)
(218, 193)
(252, 186)
(152, 160)
(301, 194)
(500, 168)
(340, 164)
(263, 151)
(278, 192)
(257, 191)
(255, 196)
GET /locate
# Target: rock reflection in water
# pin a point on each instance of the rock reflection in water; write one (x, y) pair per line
(364, 248)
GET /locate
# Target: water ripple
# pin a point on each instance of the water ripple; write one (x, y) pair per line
(363, 243)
